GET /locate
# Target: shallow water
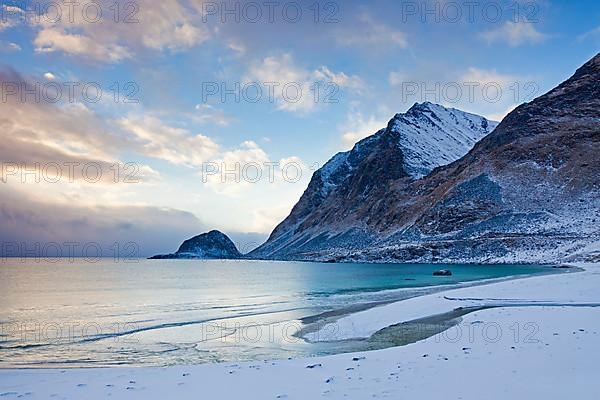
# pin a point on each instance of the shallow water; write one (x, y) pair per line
(168, 312)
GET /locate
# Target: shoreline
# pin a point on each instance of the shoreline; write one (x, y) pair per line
(447, 308)
(556, 340)
(307, 324)
(311, 323)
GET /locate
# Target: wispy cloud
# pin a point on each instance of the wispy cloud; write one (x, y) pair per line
(515, 34)
(49, 40)
(208, 114)
(589, 34)
(9, 46)
(371, 34)
(10, 16)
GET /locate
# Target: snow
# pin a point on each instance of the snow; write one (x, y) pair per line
(329, 168)
(571, 288)
(522, 350)
(432, 135)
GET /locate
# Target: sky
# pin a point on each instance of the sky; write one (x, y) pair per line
(130, 126)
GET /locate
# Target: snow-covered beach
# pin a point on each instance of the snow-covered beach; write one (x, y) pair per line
(538, 340)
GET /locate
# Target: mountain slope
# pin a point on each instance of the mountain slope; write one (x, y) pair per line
(529, 191)
(339, 197)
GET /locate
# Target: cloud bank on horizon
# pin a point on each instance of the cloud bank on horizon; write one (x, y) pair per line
(125, 123)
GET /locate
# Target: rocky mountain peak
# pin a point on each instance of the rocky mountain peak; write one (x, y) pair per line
(211, 245)
(436, 185)
(410, 147)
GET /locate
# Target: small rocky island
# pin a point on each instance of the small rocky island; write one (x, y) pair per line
(211, 245)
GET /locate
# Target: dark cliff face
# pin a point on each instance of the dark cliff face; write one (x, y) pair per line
(542, 157)
(529, 191)
(211, 245)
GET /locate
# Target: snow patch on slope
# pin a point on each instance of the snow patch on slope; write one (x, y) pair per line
(432, 136)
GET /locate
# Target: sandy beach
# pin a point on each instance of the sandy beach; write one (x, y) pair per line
(539, 339)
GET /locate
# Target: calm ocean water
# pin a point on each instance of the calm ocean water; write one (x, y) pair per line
(167, 312)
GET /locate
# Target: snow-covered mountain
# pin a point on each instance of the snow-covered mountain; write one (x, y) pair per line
(527, 192)
(427, 136)
(431, 135)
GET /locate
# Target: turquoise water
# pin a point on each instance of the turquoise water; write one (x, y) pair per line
(168, 312)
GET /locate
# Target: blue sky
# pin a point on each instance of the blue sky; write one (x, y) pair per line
(378, 58)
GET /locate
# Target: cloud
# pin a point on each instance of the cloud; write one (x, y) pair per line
(247, 172)
(235, 170)
(175, 145)
(51, 40)
(9, 47)
(248, 152)
(499, 116)
(152, 229)
(589, 34)
(371, 34)
(10, 16)
(49, 76)
(208, 114)
(495, 94)
(515, 34)
(359, 127)
(224, 171)
(237, 47)
(167, 25)
(41, 132)
(296, 91)
(72, 129)
(484, 77)
(396, 78)
(24, 160)
(266, 219)
(340, 79)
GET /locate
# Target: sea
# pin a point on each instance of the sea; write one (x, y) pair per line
(75, 313)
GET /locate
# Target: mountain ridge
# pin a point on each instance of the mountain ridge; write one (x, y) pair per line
(413, 143)
(528, 191)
